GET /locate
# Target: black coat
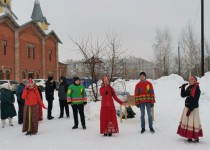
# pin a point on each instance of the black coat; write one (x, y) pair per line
(7, 104)
(49, 90)
(191, 102)
(62, 91)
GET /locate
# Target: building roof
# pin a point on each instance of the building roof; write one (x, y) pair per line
(11, 19)
(37, 14)
(55, 35)
(36, 25)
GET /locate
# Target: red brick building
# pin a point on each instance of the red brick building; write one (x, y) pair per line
(27, 51)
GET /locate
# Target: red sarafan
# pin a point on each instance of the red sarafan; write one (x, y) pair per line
(108, 119)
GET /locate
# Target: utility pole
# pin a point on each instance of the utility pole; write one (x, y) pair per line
(202, 37)
(179, 59)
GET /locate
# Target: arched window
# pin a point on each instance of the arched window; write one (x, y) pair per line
(7, 75)
(1, 75)
(50, 55)
(23, 75)
(37, 75)
(4, 47)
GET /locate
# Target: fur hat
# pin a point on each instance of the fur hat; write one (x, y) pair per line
(24, 81)
(143, 73)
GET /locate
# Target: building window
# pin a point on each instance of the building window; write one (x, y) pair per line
(7, 75)
(23, 75)
(28, 52)
(4, 47)
(37, 75)
(33, 52)
(1, 75)
(50, 55)
(31, 75)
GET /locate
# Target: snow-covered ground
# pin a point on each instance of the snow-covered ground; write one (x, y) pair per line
(57, 134)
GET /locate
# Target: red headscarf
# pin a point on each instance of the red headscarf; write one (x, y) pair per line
(194, 88)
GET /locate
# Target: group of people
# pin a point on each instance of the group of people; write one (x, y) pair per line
(30, 104)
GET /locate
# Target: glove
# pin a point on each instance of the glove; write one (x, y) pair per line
(151, 105)
(188, 113)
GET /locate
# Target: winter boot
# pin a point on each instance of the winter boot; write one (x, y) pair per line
(189, 140)
(3, 123)
(152, 130)
(142, 130)
(84, 127)
(110, 134)
(10, 122)
(196, 141)
(74, 127)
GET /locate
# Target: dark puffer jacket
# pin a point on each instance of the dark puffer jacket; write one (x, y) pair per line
(62, 91)
(191, 102)
(19, 92)
(7, 104)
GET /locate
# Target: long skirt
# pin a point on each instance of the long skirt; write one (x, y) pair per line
(108, 120)
(190, 127)
(31, 119)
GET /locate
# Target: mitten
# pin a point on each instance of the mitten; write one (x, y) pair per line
(188, 113)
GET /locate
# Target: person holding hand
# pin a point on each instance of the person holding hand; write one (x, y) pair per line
(108, 119)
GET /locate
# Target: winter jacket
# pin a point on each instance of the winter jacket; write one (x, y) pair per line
(32, 96)
(19, 92)
(63, 88)
(191, 102)
(76, 95)
(49, 90)
(144, 93)
(108, 93)
(7, 104)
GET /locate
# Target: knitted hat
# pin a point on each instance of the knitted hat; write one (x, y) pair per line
(143, 73)
(50, 78)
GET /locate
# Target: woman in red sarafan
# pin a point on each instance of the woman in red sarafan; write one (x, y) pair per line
(108, 118)
(31, 110)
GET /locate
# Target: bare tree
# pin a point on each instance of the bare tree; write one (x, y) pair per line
(163, 51)
(113, 54)
(207, 48)
(190, 46)
(91, 51)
